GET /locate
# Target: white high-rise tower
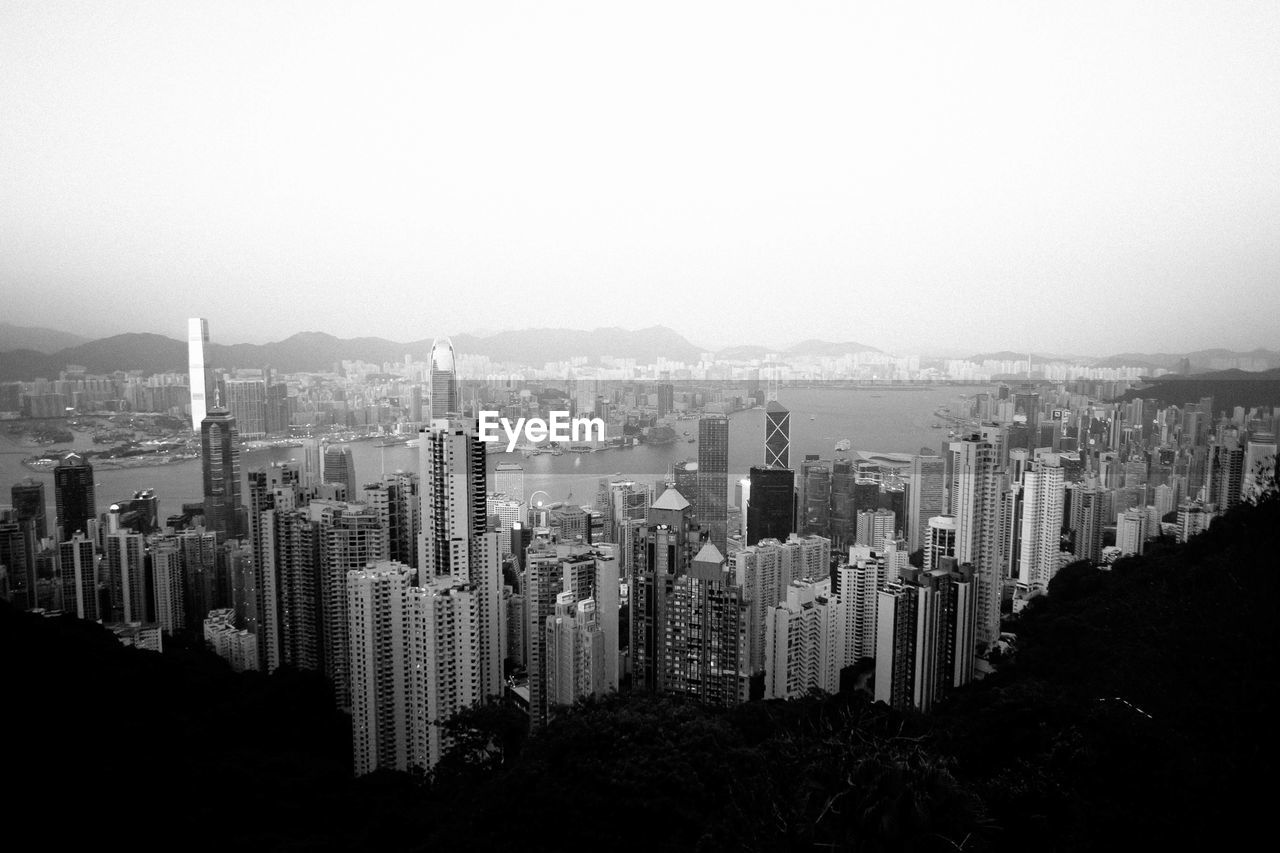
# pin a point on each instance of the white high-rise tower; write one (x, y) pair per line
(201, 379)
(1041, 525)
(975, 502)
(455, 542)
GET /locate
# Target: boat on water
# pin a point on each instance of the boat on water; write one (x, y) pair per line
(692, 440)
(843, 445)
(936, 425)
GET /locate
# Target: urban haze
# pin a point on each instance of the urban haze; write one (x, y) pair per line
(664, 427)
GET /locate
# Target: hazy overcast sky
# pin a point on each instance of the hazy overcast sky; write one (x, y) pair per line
(1069, 177)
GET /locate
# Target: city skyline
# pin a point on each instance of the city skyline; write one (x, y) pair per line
(665, 426)
(740, 350)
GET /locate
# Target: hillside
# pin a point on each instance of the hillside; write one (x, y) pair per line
(36, 338)
(1228, 388)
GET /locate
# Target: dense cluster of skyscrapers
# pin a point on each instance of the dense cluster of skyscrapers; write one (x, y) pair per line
(422, 593)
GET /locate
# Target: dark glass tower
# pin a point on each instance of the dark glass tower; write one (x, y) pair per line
(220, 461)
(339, 467)
(444, 380)
(712, 504)
(771, 507)
(816, 497)
(73, 496)
(28, 505)
(777, 436)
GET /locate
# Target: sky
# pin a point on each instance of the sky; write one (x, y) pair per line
(1086, 177)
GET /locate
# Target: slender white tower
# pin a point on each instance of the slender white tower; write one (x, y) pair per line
(201, 379)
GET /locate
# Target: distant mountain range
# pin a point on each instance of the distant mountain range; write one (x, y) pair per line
(35, 338)
(1200, 360)
(27, 353)
(318, 351)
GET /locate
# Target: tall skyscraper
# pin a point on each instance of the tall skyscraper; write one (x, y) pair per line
(246, 399)
(777, 435)
(29, 505)
(339, 467)
(201, 375)
(712, 503)
(705, 632)
(925, 643)
(570, 575)
(78, 566)
(940, 541)
(399, 505)
(1089, 513)
(845, 503)
(455, 540)
(125, 562)
(351, 536)
(445, 637)
(689, 619)
(802, 642)
(1225, 475)
(895, 644)
(1042, 509)
(203, 582)
(279, 408)
(272, 492)
(18, 545)
(312, 473)
(509, 513)
(381, 621)
(771, 505)
(927, 497)
(444, 381)
(976, 486)
(764, 571)
(167, 576)
(623, 501)
(876, 527)
(575, 652)
(73, 495)
(860, 581)
(508, 479)
(220, 467)
(1026, 409)
(667, 544)
(815, 497)
(1131, 530)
